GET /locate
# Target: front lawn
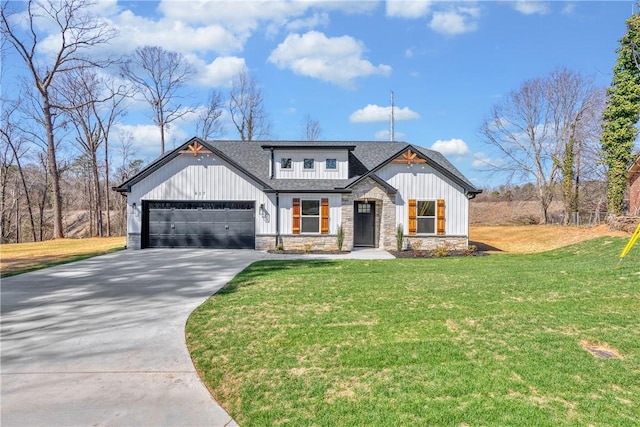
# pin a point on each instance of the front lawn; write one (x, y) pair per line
(494, 340)
(17, 258)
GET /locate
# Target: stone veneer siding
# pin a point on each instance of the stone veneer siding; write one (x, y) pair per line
(299, 242)
(385, 220)
(429, 243)
(134, 241)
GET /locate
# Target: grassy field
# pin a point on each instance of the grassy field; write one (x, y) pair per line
(494, 340)
(21, 257)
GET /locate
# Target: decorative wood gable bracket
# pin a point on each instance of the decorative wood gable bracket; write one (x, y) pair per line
(195, 148)
(409, 157)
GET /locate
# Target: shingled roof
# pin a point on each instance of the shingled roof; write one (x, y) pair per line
(366, 157)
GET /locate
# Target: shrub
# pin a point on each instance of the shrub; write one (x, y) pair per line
(416, 247)
(307, 248)
(399, 237)
(470, 251)
(340, 237)
(440, 251)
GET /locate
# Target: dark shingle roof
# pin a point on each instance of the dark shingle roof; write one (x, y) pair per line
(366, 157)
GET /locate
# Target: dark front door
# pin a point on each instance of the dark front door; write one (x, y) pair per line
(364, 228)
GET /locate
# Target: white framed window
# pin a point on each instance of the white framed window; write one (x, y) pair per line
(426, 216)
(308, 164)
(310, 216)
(285, 163)
(331, 164)
(364, 208)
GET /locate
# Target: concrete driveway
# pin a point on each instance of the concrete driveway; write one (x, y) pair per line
(101, 341)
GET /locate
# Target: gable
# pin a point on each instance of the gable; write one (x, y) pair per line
(253, 160)
(197, 149)
(202, 177)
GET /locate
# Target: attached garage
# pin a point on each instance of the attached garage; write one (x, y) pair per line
(198, 224)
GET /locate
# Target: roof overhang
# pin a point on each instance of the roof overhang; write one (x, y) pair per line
(302, 191)
(188, 148)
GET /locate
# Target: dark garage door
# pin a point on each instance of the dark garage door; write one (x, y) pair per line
(221, 225)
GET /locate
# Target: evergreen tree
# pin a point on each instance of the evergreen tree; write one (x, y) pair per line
(621, 114)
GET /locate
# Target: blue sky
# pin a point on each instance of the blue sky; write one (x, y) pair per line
(447, 62)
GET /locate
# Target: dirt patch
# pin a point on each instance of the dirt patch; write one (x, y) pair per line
(601, 350)
(534, 238)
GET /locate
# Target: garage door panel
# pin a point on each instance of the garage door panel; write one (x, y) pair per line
(160, 228)
(240, 216)
(160, 241)
(161, 215)
(201, 224)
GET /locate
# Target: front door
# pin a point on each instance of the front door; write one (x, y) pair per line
(364, 228)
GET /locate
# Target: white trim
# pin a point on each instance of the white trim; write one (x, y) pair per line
(319, 216)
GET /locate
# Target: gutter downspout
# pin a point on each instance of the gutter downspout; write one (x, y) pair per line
(271, 175)
(277, 219)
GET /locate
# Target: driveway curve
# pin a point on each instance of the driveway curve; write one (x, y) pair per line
(101, 341)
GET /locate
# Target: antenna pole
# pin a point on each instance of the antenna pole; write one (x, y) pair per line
(391, 133)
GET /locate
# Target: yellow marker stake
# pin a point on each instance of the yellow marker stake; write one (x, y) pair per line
(632, 241)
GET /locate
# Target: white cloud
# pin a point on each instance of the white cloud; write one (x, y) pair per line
(376, 113)
(314, 21)
(245, 17)
(408, 9)
(530, 7)
(146, 143)
(455, 21)
(333, 59)
(175, 35)
(219, 72)
(454, 146)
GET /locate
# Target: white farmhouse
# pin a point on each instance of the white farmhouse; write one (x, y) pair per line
(261, 194)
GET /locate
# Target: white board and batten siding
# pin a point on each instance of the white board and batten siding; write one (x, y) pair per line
(286, 210)
(422, 182)
(319, 170)
(204, 178)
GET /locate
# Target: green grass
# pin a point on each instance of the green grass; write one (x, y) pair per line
(456, 341)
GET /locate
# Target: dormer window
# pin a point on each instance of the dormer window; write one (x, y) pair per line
(331, 164)
(285, 163)
(309, 164)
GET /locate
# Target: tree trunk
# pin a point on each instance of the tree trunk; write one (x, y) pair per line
(17, 220)
(45, 191)
(96, 191)
(52, 164)
(4, 179)
(26, 191)
(107, 189)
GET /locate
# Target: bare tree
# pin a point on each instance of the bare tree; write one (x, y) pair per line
(94, 102)
(576, 104)
(78, 31)
(540, 132)
(518, 129)
(14, 139)
(247, 109)
(209, 125)
(311, 129)
(158, 75)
